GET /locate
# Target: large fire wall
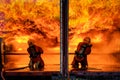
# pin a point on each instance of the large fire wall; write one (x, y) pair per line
(39, 20)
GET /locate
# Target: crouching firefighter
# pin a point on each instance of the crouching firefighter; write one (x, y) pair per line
(36, 61)
(83, 49)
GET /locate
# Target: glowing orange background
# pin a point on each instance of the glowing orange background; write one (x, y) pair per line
(39, 20)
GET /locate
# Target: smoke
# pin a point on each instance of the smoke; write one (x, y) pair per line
(109, 44)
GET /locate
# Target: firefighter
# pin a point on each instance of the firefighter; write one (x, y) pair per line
(36, 61)
(83, 49)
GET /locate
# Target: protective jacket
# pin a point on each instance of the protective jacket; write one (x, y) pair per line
(35, 56)
(83, 49)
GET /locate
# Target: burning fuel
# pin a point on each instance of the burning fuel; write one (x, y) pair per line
(21, 20)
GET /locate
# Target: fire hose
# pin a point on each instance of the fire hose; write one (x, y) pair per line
(10, 69)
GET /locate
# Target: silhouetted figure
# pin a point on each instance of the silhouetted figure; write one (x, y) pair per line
(36, 62)
(83, 49)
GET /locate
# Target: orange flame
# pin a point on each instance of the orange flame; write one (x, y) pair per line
(97, 38)
(86, 18)
(22, 39)
(21, 20)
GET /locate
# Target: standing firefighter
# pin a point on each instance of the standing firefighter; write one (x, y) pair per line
(83, 49)
(36, 62)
